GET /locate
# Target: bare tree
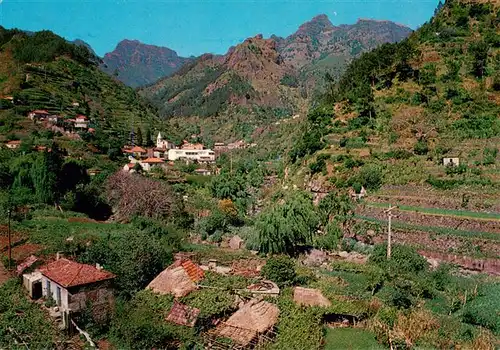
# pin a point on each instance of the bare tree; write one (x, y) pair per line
(133, 194)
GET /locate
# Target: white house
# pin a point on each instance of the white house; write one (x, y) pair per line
(163, 144)
(451, 161)
(39, 114)
(199, 155)
(150, 163)
(73, 285)
(81, 122)
(13, 144)
(53, 119)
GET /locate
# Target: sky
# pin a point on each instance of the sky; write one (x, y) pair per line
(194, 27)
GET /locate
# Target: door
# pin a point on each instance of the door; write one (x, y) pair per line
(36, 292)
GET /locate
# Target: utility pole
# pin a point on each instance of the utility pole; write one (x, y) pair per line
(231, 162)
(8, 233)
(389, 231)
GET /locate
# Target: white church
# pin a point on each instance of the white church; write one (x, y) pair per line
(163, 144)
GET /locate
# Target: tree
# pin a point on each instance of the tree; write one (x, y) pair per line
(281, 270)
(337, 207)
(132, 194)
(149, 138)
(136, 257)
(453, 68)
(138, 137)
(287, 225)
(371, 177)
(479, 51)
(44, 179)
(404, 259)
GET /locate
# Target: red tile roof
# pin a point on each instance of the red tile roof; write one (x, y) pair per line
(183, 315)
(14, 142)
(153, 160)
(194, 272)
(69, 273)
(40, 111)
(138, 149)
(81, 117)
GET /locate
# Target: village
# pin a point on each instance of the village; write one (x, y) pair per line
(141, 159)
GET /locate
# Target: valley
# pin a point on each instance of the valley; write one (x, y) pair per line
(240, 201)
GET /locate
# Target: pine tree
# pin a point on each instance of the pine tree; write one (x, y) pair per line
(149, 138)
(138, 137)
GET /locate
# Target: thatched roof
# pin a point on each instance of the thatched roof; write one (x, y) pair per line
(253, 318)
(310, 297)
(177, 279)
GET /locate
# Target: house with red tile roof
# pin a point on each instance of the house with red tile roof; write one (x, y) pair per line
(13, 144)
(38, 114)
(150, 163)
(73, 286)
(81, 122)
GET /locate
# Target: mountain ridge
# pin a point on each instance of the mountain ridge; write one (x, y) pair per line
(138, 64)
(266, 72)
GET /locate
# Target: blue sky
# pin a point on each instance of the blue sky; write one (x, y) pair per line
(193, 27)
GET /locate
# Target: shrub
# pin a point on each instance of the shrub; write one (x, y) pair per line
(421, 147)
(404, 259)
(456, 170)
(281, 270)
(483, 310)
(371, 177)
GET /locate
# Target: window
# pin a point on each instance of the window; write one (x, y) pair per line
(47, 287)
(58, 295)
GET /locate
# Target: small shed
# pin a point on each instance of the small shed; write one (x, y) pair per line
(264, 288)
(33, 284)
(451, 161)
(183, 315)
(310, 297)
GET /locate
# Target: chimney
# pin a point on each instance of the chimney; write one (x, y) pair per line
(59, 255)
(98, 266)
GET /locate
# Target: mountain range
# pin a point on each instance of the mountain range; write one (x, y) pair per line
(317, 44)
(275, 72)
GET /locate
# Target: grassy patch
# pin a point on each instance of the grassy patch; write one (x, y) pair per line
(435, 229)
(350, 338)
(440, 211)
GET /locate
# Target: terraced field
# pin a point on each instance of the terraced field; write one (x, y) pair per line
(438, 223)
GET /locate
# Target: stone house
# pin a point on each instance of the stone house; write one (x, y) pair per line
(74, 287)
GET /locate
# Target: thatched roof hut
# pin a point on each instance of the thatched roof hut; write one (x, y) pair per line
(254, 318)
(310, 297)
(177, 279)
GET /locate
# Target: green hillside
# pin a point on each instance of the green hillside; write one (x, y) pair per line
(43, 71)
(403, 107)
